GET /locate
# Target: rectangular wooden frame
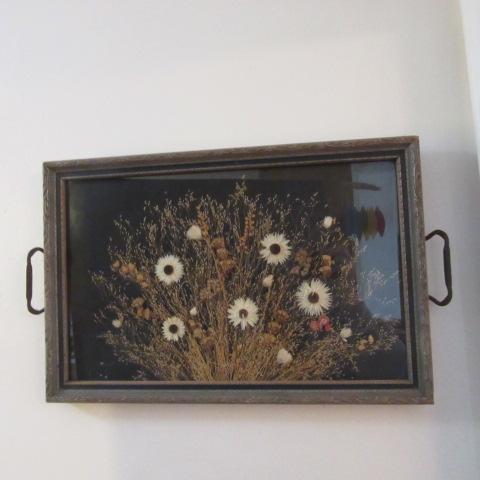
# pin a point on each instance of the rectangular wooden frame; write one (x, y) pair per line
(403, 150)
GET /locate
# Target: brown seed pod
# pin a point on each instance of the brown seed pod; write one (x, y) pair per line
(281, 316)
(305, 271)
(242, 241)
(268, 339)
(207, 343)
(218, 243)
(138, 302)
(124, 269)
(139, 312)
(147, 313)
(116, 265)
(327, 261)
(213, 285)
(132, 268)
(227, 266)
(140, 277)
(295, 270)
(198, 333)
(205, 294)
(274, 327)
(222, 253)
(144, 284)
(362, 345)
(326, 271)
(302, 257)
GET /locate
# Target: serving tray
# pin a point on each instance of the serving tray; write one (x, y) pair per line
(277, 274)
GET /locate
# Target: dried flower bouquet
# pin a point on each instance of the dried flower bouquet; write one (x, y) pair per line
(246, 290)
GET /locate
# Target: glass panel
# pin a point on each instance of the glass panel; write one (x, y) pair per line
(267, 275)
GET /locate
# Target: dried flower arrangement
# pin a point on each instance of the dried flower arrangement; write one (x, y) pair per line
(237, 291)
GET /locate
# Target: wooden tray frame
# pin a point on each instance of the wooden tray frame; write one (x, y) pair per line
(404, 151)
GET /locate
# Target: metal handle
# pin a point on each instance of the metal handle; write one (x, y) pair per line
(447, 267)
(31, 253)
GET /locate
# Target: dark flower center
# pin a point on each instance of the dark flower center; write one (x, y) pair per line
(275, 248)
(313, 297)
(168, 269)
(173, 328)
(243, 313)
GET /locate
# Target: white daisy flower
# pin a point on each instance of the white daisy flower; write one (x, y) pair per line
(173, 329)
(243, 312)
(169, 269)
(327, 222)
(284, 357)
(275, 249)
(346, 333)
(314, 298)
(267, 282)
(193, 311)
(194, 233)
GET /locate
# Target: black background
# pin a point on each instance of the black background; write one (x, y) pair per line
(93, 205)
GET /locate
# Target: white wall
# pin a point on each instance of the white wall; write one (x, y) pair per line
(97, 77)
(471, 32)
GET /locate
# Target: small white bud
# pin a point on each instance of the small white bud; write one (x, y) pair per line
(284, 357)
(346, 333)
(117, 323)
(194, 233)
(327, 222)
(267, 282)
